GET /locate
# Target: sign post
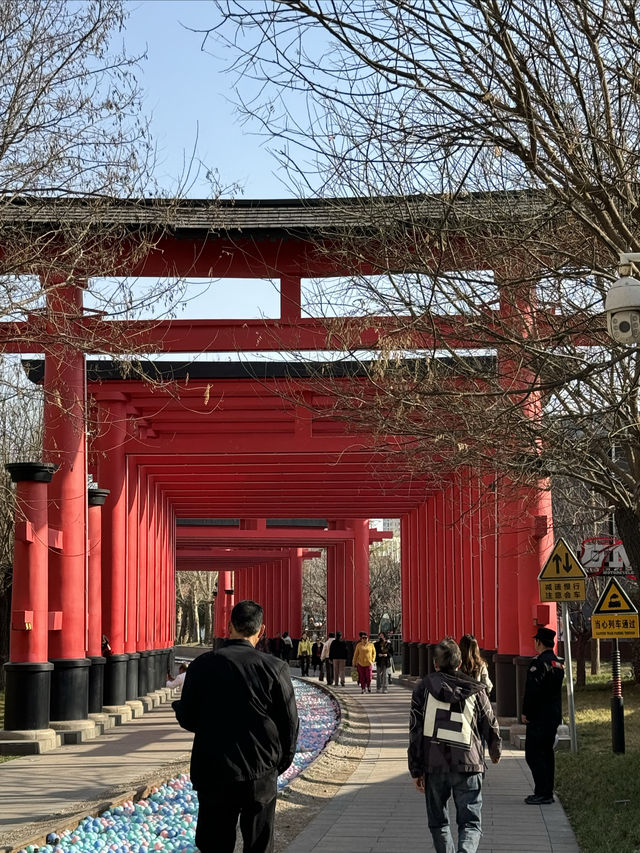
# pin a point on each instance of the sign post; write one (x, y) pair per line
(563, 579)
(615, 616)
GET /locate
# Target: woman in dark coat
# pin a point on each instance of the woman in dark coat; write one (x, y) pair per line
(316, 649)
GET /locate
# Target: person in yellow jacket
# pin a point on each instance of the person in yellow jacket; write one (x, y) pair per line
(364, 655)
(304, 653)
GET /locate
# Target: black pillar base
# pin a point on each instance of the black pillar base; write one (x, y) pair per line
(165, 657)
(96, 684)
(132, 675)
(27, 695)
(506, 690)
(153, 670)
(405, 658)
(430, 649)
(521, 665)
(115, 680)
(413, 658)
(70, 689)
(423, 660)
(143, 673)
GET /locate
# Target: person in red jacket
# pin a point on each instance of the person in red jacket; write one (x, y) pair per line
(450, 717)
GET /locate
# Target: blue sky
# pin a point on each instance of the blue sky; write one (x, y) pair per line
(187, 94)
(188, 98)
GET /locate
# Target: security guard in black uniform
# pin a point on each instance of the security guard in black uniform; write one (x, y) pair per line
(542, 713)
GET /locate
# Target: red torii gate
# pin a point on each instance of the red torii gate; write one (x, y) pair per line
(158, 462)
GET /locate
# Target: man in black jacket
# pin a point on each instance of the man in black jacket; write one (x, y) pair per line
(241, 706)
(542, 713)
(450, 718)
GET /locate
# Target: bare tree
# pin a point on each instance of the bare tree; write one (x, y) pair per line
(314, 594)
(493, 153)
(496, 156)
(195, 595)
(20, 435)
(384, 586)
(74, 145)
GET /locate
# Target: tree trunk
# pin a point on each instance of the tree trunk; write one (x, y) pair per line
(6, 574)
(595, 656)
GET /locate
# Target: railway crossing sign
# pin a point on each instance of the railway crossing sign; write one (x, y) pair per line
(614, 615)
(562, 577)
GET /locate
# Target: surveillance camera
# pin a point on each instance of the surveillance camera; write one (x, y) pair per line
(623, 310)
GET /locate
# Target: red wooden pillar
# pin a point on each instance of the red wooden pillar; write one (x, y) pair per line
(64, 444)
(405, 575)
(240, 587)
(432, 570)
(131, 586)
(142, 516)
(97, 498)
(157, 571)
(405, 587)
(536, 543)
(151, 576)
(290, 298)
(110, 446)
(28, 674)
(361, 590)
(410, 632)
(423, 592)
(509, 543)
(440, 573)
(465, 536)
(332, 574)
(224, 602)
(449, 568)
(489, 561)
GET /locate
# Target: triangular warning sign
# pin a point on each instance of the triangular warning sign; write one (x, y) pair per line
(614, 600)
(562, 564)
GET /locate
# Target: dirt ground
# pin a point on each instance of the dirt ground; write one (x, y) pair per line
(297, 804)
(301, 801)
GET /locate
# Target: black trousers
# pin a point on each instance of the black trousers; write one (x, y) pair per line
(329, 669)
(540, 756)
(221, 805)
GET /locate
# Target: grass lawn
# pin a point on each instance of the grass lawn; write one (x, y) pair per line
(600, 791)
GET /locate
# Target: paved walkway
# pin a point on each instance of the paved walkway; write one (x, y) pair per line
(380, 811)
(377, 811)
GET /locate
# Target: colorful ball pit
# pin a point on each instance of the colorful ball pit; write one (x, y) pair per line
(165, 821)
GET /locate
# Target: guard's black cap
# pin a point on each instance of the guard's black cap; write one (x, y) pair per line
(546, 636)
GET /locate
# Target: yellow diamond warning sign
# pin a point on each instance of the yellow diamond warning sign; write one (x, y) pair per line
(615, 614)
(562, 577)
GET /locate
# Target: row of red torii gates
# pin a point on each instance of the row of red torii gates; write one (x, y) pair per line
(218, 466)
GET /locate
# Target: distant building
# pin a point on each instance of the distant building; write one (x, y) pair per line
(392, 524)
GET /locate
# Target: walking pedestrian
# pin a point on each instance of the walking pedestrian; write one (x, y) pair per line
(276, 646)
(287, 647)
(450, 717)
(338, 658)
(241, 706)
(364, 655)
(304, 654)
(384, 660)
(473, 663)
(542, 713)
(316, 661)
(325, 660)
